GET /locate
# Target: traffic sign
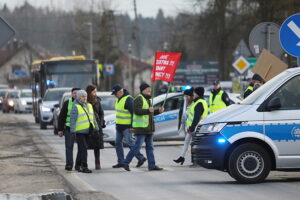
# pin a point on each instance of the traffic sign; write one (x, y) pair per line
(241, 64)
(265, 35)
(6, 33)
(290, 35)
(109, 69)
(252, 62)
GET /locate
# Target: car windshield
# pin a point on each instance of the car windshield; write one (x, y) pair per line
(108, 102)
(263, 89)
(54, 95)
(26, 94)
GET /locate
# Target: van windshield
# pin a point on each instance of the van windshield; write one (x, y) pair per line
(263, 89)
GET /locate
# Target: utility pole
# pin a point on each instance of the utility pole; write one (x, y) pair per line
(136, 32)
(130, 76)
(90, 24)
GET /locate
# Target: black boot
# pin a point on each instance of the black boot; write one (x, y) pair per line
(180, 160)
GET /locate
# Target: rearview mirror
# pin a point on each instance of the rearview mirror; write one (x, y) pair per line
(274, 104)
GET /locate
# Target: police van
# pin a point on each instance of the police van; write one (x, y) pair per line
(260, 134)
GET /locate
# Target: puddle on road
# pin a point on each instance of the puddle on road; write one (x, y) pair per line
(48, 196)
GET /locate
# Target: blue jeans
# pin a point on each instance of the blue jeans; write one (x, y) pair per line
(127, 137)
(140, 138)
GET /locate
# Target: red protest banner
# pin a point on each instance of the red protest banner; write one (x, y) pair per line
(165, 66)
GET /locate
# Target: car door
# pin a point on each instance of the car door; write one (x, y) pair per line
(283, 124)
(168, 123)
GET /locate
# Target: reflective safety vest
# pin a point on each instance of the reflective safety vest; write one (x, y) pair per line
(70, 104)
(191, 111)
(249, 88)
(218, 103)
(83, 121)
(141, 121)
(123, 116)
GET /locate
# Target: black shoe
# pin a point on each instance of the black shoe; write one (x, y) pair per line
(156, 168)
(126, 167)
(117, 166)
(77, 168)
(85, 170)
(180, 160)
(68, 168)
(141, 162)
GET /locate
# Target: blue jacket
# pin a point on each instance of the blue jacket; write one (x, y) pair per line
(74, 115)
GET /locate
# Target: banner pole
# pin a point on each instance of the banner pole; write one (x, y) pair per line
(152, 92)
(167, 95)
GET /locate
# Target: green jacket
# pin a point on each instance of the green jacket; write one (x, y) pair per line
(137, 105)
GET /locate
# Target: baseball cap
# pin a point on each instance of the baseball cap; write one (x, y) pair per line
(115, 89)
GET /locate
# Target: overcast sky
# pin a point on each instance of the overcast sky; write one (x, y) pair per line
(148, 8)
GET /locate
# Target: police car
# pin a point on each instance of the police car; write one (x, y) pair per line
(169, 125)
(260, 134)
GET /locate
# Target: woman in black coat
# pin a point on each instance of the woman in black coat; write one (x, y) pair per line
(96, 139)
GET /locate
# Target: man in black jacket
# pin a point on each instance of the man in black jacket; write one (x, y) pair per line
(64, 129)
(124, 112)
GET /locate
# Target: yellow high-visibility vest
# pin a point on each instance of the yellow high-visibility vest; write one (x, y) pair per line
(141, 121)
(83, 121)
(191, 111)
(123, 116)
(218, 103)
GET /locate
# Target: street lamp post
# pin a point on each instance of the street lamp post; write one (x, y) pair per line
(90, 24)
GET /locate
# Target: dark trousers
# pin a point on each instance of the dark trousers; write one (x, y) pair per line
(69, 145)
(82, 149)
(97, 154)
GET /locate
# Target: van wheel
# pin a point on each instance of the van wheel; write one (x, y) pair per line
(249, 163)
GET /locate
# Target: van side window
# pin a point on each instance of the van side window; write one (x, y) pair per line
(289, 94)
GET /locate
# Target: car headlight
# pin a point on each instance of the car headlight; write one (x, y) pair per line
(46, 109)
(10, 102)
(210, 129)
(0, 100)
(23, 102)
(110, 122)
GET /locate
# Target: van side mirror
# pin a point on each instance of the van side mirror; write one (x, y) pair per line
(56, 106)
(40, 100)
(273, 104)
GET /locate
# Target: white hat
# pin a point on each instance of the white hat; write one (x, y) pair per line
(80, 93)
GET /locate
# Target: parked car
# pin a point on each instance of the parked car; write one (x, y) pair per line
(2, 94)
(107, 101)
(23, 103)
(8, 100)
(46, 105)
(169, 125)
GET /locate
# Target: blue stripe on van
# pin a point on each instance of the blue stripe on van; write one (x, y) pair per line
(276, 132)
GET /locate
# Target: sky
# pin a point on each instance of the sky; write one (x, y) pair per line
(147, 8)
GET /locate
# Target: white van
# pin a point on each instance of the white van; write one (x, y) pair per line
(260, 134)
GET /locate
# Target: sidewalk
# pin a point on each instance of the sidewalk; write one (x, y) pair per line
(29, 166)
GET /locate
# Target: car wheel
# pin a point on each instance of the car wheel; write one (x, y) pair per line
(43, 126)
(249, 163)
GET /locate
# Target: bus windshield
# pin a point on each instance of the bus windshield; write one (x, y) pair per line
(58, 74)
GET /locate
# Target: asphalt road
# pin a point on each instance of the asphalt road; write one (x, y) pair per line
(175, 182)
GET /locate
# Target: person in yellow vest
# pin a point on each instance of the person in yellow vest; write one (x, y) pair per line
(143, 125)
(124, 113)
(189, 95)
(218, 98)
(82, 123)
(256, 81)
(64, 129)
